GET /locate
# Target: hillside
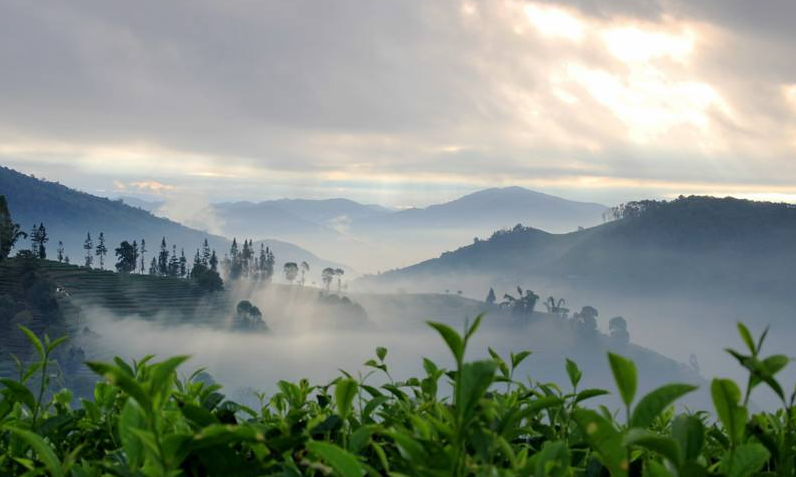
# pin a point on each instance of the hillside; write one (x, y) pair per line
(721, 244)
(69, 214)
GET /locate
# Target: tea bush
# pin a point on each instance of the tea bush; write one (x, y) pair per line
(144, 421)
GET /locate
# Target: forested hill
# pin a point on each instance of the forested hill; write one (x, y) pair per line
(719, 244)
(69, 214)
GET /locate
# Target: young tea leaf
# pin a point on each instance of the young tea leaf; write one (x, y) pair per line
(624, 371)
(654, 403)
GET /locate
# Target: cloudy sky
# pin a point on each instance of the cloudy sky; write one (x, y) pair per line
(402, 102)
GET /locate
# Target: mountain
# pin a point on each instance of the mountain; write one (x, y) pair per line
(681, 272)
(69, 214)
(372, 237)
(495, 208)
(704, 248)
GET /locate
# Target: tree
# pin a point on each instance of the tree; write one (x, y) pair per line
(523, 305)
(163, 258)
(88, 246)
(617, 328)
(490, 297)
(205, 254)
(60, 251)
(586, 320)
(291, 271)
(153, 267)
(183, 263)
(327, 275)
(126, 255)
(207, 279)
(174, 263)
(213, 262)
(305, 268)
(101, 250)
(38, 237)
(556, 307)
(248, 317)
(339, 272)
(143, 251)
(10, 232)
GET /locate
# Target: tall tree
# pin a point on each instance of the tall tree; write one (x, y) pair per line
(143, 251)
(291, 271)
(327, 275)
(490, 297)
(38, 237)
(163, 258)
(9, 231)
(305, 268)
(126, 258)
(88, 246)
(339, 272)
(205, 254)
(153, 267)
(174, 263)
(183, 264)
(101, 250)
(135, 256)
(60, 251)
(213, 261)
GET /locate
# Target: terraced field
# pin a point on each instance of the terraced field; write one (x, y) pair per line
(79, 289)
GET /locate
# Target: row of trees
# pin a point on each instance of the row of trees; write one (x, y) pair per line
(244, 263)
(585, 320)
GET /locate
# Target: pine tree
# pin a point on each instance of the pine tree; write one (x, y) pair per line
(153, 267)
(60, 251)
(135, 257)
(197, 259)
(213, 262)
(174, 262)
(88, 246)
(101, 250)
(143, 251)
(38, 237)
(183, 264)
(205, 254)
(490, 297)
(163, 258)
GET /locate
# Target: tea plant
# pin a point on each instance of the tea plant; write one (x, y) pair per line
(145, 421)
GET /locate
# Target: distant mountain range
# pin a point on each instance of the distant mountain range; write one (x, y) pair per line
(69, 215)
(701, 245)
(374, 237)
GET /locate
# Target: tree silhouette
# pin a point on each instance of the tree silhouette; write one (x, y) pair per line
(38, 237)
(60, 251)
(163, 258)
(617, 328)
(490, 297)
(305, 268)
(101, 250)
(523, 305)
(126, 256)
(291, 271)
(556, 307)
(183, 264)
(143, 251)
(327, 275)
(339, 272)
(586, 319)
(213, 262)
(88, 246)
(10, 232)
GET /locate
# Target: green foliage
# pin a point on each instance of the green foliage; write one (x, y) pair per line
(144, 421)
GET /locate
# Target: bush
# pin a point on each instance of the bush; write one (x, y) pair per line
(144, 421)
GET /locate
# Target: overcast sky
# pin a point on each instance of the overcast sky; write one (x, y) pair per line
(401, 102)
